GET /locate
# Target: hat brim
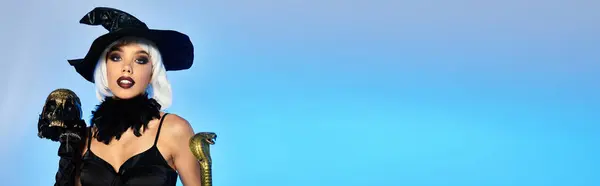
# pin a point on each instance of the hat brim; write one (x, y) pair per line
(175, 48)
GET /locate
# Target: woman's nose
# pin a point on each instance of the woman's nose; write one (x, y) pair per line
(127, 69)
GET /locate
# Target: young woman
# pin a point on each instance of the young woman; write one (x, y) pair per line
(131, 141)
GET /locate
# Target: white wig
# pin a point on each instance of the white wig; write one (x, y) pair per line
(159, 87)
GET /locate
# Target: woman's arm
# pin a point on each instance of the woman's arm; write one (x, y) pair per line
(70, 153)
(83, 151)
(67, 170)
(180, 132)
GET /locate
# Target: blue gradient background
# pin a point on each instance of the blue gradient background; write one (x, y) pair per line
(353, 93)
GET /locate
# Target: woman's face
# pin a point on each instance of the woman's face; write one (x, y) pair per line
(129, 70)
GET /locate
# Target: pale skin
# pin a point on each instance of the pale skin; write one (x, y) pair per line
(132, 61)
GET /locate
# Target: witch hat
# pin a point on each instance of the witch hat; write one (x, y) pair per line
(176, 49)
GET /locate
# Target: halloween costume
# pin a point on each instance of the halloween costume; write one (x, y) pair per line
(147, 168)
(114, 116)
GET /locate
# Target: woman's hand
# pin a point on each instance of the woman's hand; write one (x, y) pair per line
(70, 153)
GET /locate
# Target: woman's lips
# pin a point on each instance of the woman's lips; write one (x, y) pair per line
(125, 82)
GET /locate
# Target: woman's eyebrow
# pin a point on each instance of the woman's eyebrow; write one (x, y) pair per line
(142, 52)
(115, 48)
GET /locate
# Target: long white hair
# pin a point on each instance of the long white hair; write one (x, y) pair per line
(159, 87)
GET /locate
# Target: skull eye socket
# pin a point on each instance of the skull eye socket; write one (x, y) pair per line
(51, 105)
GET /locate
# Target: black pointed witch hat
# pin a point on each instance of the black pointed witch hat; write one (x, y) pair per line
(175, 48)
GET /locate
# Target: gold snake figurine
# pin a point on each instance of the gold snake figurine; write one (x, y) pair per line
(200, 147)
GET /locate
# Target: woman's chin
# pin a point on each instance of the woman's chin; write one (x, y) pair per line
(126, 94)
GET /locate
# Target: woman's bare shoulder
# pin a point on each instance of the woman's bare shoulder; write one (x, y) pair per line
(177, 126)
(176, 133)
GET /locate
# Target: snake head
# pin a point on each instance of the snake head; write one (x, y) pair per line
(208, 137)
(200, 146)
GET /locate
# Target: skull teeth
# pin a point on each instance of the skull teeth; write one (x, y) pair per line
(57, 124)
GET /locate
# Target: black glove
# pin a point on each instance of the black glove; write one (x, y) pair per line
(70, 150)
(71, 145)
(70, 159)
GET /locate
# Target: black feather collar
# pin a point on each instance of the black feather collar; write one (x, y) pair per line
(114, 116)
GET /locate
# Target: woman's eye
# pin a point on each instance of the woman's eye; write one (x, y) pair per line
(115, 57)
(142, 60)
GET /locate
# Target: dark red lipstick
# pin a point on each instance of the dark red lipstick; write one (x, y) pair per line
(125, 82)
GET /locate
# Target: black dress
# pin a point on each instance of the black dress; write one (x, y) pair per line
(146, 168)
